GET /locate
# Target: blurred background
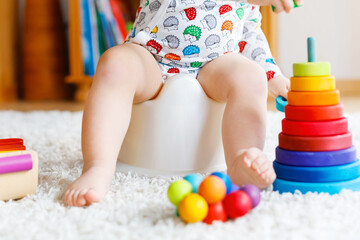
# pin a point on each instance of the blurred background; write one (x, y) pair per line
(49, 48)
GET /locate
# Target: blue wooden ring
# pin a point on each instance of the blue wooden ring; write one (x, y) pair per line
(316, 159)
(281, 102)
(318, 174)
(283, 186)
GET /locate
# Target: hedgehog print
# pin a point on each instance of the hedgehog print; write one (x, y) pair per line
(239, 14)
(225, 10)
(153, 46)
(171, 41)
(192, 33)
(141, 18)
(154, 6)
(171, 23)
(171, 7)
(191, 51)
(229, 47)
(208, 5)
(209, 22)
(188, 14)
(258, 54)
(153, 32)
(227, 28)
(212, 41)
(211, 56)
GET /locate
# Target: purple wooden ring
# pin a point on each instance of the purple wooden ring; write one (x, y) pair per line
(316, 159)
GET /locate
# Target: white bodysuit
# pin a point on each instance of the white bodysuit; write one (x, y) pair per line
(183, 35)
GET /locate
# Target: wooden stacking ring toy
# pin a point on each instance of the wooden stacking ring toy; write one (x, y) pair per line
(284, 186)
(314, 98)
(314, 113)
(318, 174)
(281, 102)
(311, 69)
(322, 128)
(321, 83)
(316, 159)
(315, 144)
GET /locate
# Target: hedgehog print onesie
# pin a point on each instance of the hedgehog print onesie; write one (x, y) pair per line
(183, 35)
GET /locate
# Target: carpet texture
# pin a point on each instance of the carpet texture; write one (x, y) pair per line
(137, 207)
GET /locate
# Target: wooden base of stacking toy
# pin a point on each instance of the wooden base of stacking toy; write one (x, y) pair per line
(18, 170)
(283, 186)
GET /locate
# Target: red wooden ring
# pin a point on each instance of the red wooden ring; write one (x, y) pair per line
(11, 141)
(5, 148)
(315, 144)
(314, 113)
(322, 128)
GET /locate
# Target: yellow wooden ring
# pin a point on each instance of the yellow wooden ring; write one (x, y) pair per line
(323, 98)
(311, 69)
(322, 83)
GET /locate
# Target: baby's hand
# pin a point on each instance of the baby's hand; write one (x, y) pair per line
(279, 86)
(280, 5)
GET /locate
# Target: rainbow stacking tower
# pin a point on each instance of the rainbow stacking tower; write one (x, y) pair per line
(18, 169)
(315, 152)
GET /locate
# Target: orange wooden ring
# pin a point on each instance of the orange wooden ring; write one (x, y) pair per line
(319, 128)
(6, 148)
(320, 83)
(314, 113)
(314, 98)
(315, 144)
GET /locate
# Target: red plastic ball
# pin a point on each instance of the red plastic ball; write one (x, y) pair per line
(237, 204)
(216, 213)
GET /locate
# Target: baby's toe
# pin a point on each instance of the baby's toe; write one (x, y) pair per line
(92, 196)
(68, 197)
(75, 197)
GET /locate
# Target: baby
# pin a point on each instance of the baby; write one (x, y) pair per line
(221, 44)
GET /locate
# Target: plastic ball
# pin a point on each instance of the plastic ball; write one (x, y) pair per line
(178, 190)
(226, 180)
(253, 192)
(213, 189)
(237, 204)
(195, 180)
(193, 208)
(216, 213)
(234, 188)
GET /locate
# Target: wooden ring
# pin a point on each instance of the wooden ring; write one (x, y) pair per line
(337, 173)
(314, 98)
(321, 83)
(10, 141)
(314, 113)
(322, 128)
(311, 69)
(315, 144)
(283, 186)
(315, 159)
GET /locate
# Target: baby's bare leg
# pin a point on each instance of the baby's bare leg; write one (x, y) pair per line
(125, 75)
(242, 84)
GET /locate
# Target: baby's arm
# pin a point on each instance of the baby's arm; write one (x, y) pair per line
(254, 46)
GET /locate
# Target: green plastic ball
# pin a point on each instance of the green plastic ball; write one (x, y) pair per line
(178, 190)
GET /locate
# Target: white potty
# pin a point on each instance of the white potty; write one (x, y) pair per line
(176, 133)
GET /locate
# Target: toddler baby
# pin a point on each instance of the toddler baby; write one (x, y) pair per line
(219, 42)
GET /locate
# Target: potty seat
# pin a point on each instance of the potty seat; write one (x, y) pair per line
(176, 133)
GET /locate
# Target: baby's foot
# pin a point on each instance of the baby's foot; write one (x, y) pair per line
(252, 167)
(90, 187)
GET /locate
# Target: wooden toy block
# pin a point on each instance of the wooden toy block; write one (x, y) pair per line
(18, 174)
(314, 113)
(283, 186)
(336, 173)
(315, 144)
(321, 83)
(315, 159)
(323, 98)
(323, 128)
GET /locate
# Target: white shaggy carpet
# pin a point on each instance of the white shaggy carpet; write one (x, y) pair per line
(137, 206)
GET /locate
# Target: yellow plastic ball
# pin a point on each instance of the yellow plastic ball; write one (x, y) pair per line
(193, 208)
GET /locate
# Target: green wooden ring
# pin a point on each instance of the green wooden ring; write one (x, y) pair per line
(310, 69)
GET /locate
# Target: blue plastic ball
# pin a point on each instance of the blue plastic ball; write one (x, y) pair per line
(195, 180)
(234, 188)
(226, 180)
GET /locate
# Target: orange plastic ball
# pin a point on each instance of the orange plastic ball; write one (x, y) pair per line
(213, 189)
